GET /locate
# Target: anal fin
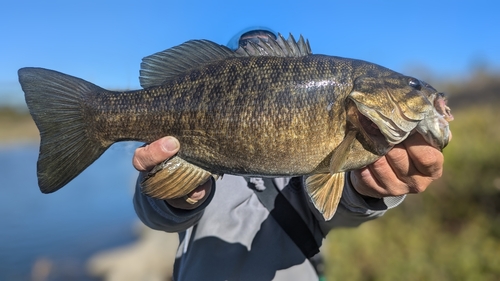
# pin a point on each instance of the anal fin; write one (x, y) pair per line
(173, 178)
(325, 191)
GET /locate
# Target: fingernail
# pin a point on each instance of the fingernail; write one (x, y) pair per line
(171, 144)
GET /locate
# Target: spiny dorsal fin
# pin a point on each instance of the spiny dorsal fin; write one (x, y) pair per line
(162, 66)
(165, 65)
(276, 48)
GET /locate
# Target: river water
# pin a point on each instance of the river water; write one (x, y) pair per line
(62, 230)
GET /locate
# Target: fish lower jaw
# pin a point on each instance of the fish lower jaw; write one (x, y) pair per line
(435, 130)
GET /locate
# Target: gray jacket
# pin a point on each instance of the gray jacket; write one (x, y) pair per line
(232, 237)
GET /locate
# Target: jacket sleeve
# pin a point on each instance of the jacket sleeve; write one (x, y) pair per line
(355, 209)
(157, 214)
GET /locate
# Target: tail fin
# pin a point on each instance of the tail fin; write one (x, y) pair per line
(55, 103)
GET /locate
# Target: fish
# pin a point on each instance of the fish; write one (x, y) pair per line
(271, 108)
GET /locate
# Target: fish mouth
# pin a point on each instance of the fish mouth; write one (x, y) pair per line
(435, 127)
(441, 107)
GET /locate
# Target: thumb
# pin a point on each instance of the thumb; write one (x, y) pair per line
(150, 155)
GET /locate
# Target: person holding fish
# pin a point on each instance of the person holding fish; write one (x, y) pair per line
(240, 228)
(270, 147)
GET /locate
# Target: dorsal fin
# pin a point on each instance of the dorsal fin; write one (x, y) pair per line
(276, 48)
(162, 66)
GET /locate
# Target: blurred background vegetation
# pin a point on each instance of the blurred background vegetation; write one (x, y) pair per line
(452, 230)
(449, 232)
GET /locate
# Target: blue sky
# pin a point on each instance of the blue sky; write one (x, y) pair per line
(104, 41)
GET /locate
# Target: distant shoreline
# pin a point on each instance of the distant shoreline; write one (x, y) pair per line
(17, 127)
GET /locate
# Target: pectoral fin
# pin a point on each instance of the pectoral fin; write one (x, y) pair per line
(341, 153)
(173, 178)
(325, 191)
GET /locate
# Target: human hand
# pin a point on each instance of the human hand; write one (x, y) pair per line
(408, 168)
(150, 155)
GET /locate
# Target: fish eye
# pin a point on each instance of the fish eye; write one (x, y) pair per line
(415, 83)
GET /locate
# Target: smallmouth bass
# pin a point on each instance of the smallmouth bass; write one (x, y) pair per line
(271, 109)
